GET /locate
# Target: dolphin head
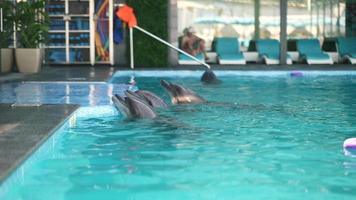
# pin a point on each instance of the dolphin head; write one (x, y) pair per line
(180, 94)
(139, 107)
(121, 104)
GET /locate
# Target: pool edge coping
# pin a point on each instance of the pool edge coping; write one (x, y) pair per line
(7, 173)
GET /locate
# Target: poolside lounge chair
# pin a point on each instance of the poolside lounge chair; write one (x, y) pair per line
(311, 53)
(228, 51)
(185, 60)
(269, 51)
(347, 49)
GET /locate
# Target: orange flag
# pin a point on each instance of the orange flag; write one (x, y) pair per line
(125, 13)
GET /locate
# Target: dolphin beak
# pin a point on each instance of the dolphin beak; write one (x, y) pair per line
(131, 94)
(165, 84)
(120, 99)
(171, 89)
(121, 105)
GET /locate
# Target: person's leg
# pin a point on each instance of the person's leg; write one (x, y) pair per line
(202, 49)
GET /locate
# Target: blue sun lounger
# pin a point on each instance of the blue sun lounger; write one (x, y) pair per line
(269, 51)
(228, 51)
(347, 49)
(310, 52)
(185, 60)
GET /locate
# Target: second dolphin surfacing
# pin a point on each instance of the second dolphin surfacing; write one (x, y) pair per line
(152, 99)
(180, 94)
(132, 106)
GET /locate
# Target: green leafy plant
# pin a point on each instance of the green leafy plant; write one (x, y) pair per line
(32, 23)
(152, 16)
(8, 28)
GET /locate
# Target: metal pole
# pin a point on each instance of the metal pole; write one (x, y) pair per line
(324, 16)
(1, 29)
(1, 22)
(111, 33)
(331, 18)
(93, 21)
(131, 49)
(311, 16)
(173, 47)
(257, 19)
(283, 35)
(338, 18)
(317, 19)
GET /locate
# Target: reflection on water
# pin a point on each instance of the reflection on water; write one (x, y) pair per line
(86, 94)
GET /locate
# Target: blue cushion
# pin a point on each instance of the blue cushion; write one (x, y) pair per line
(316, 56)
(352, 55)
(227, 45)
(184, 57)
(268, 48)
(309, 47)
(275, 56)
(231, 57)
(346, 46)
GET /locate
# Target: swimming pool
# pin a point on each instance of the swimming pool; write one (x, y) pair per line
(260, 136)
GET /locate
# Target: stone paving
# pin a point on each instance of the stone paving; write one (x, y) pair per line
(24, 128)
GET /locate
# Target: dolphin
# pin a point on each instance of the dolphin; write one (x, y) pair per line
(152, 99)
(180, 94)
(132, 106)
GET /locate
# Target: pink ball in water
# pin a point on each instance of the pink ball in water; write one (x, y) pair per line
(296, 74)
(350, 143)
(350, 147)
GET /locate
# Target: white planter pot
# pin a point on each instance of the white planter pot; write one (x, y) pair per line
(28, 60)
(6, 60)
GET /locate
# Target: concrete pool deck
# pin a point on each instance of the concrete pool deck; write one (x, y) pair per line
(21, 133)
(24, 128)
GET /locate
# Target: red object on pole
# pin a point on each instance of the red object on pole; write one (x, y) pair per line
(126, 14)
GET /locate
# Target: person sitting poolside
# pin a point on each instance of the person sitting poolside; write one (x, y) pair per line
(192, 44)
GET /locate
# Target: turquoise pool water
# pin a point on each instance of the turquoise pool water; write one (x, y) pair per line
(258, 137)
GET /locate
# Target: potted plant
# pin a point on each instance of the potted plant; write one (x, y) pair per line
(5, 37)
(32, 25)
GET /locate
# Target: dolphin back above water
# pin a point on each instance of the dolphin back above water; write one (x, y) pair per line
(180, 94)
(132, 106)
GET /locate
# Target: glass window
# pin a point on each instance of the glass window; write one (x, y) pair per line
(316, 18)
(269, 19)
(218, 18)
